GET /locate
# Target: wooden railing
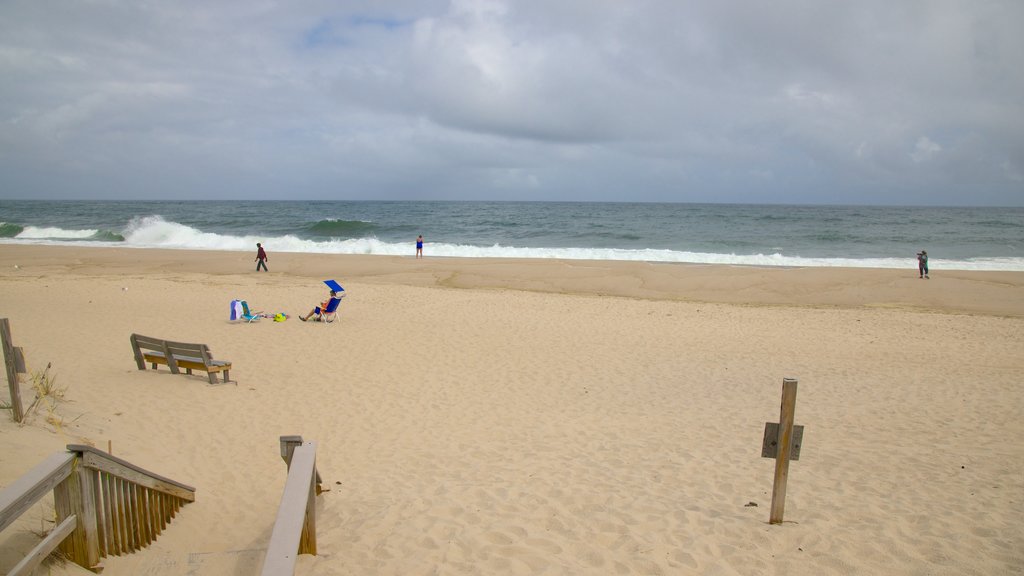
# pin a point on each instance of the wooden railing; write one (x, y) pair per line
(294, 530)
(104, 506)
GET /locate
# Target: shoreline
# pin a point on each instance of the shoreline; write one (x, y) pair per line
(994, 293)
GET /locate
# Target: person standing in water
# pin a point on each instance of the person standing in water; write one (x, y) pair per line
(922, 264)
(261, 258)
(419, 246)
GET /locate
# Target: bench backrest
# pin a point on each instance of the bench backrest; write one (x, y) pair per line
(140, 342)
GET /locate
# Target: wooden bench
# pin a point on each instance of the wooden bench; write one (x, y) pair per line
(178, 355)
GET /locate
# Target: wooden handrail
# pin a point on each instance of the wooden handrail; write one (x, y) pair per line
(104, 505)
(294, 530)
(100, 460)
(32, 486)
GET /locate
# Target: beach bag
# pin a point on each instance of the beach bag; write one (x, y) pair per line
(280, 317)
(236, 310)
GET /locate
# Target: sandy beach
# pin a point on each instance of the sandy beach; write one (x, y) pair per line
(479, 416)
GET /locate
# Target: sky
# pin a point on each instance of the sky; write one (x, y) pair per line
(867, 102)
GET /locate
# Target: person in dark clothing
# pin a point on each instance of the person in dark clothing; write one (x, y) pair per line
(922, 264)
(261, 258)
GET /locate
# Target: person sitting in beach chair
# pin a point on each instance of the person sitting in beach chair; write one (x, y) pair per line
(327, 310)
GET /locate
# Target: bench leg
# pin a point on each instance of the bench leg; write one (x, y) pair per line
(226, 379)
(188, 371)
(154, 365)
(213, 377)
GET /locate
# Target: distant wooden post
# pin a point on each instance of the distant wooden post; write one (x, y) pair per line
(14, 362)
(782, 442)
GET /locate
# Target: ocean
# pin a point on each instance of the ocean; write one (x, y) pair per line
(753, 235)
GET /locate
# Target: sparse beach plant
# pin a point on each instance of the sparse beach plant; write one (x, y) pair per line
(48, 394)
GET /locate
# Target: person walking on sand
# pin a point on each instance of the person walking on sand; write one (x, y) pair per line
(261, 258)
(922, 264)
(419, 246)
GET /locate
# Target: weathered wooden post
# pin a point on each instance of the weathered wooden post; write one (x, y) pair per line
(288, 446)
(76, 497)
(782, 442)
(14, 362)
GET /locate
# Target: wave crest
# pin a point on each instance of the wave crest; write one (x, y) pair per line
(332, 228)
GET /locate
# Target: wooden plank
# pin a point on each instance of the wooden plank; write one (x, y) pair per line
(169, 356)
(109, 463)
(291, 513)
(132, 516)
(307, 541)
(97, 496)
(786, 417)
(44, 548)
(66, 499)
(770, 441)
(158, 512)
(20, 366)
(10, 364)
(33, 485)
(109, 527)
(136, 350)
(86, 512)
(188, 362)
(142, 495)
(122, 515)
(165, 509)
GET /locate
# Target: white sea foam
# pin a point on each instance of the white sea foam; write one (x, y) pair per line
(156, 232)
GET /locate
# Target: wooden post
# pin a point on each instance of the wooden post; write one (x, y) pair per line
(307, 542)
(782, 459)
(288, 446)
(75, 497)
(11, 363)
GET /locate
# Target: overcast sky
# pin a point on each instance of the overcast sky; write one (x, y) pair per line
(865, 102)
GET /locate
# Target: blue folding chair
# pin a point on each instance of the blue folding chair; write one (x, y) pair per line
(330, 313)
(247, 315)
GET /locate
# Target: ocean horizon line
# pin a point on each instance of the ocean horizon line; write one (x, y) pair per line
(514, 201)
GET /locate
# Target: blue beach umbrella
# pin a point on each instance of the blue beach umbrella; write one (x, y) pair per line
(333, 285)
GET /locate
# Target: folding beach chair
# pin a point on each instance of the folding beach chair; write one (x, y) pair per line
(330, 313)
(248, 315)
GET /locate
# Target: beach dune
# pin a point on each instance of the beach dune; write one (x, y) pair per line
(481, 416)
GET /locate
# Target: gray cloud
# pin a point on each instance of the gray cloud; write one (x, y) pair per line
(791, 101)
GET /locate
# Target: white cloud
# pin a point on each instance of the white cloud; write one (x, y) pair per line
(925, 150)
